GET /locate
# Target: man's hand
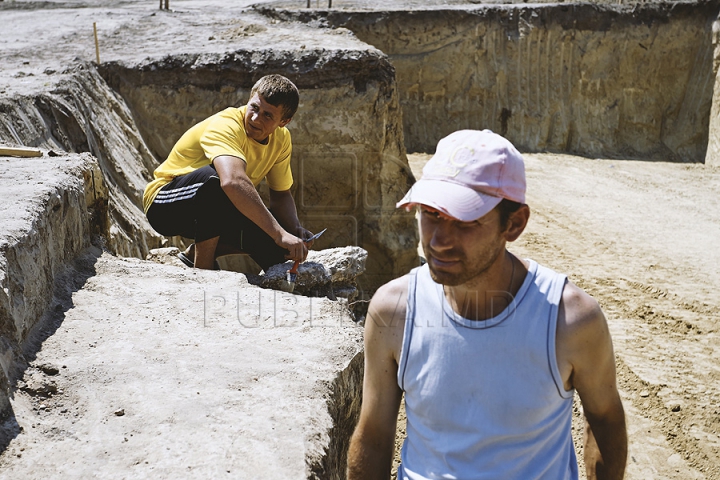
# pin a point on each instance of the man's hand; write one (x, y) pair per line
(282, 207)
(296, 246)
(304, 233)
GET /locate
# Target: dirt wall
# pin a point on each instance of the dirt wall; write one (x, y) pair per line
(65, 203)
(713, 151)
(82, 114)
(350, 169)
(348, 161)
(344, 408)
(613, 81)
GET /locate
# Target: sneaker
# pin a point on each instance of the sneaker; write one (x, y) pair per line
(184, 258)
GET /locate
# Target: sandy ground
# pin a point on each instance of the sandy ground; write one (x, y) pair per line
(641, 237)
(157, 371)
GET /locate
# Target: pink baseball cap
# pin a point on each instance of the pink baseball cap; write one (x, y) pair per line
(470, 173)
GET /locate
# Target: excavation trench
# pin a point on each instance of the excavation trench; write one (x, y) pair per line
(348, 176)
(348, 173)
(606, 81)
(588, 80)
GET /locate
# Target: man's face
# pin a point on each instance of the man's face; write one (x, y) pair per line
(457, 252)
(262, 118)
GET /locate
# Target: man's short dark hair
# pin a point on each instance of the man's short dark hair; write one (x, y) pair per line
(278, 91)
(506, 208)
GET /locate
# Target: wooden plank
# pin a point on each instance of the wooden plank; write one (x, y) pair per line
(20, 151)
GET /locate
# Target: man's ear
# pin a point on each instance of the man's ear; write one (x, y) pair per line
(285, 121)
(517, 222)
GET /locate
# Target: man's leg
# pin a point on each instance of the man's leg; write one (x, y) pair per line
(193, 206)
(173, 210)
(258, 244)
(237, 232)
(205, 253)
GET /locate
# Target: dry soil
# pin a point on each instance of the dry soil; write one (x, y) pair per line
(641, 237)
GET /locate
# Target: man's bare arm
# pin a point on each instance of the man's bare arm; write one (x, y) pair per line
(584, 341)
(241, 192)
(372, 445)
(282, 207)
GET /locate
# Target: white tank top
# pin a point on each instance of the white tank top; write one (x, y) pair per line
(485, 399)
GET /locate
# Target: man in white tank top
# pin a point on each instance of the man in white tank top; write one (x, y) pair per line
(487, 348)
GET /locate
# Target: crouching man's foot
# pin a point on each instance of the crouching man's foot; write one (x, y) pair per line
(202, 256)
(188, 256)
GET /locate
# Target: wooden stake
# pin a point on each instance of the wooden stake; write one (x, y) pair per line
(19, 151)
(97, 47)
(167, 4)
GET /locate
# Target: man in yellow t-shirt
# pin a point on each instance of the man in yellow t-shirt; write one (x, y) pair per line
(205, 189)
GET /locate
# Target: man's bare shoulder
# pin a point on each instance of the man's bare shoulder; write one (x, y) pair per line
(579, 311)
(389, 302)
(583, 338)
(385, 321)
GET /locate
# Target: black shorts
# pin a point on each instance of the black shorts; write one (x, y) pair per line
(195, 206)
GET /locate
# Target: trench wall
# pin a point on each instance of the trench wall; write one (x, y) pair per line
(349, 163)
(51, 209)
(713, 151)
(613, 81)
(82, 114)
(344, 408)
(87, 184)
(348, 160)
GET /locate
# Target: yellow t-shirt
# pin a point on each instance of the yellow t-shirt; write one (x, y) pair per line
(224, 134)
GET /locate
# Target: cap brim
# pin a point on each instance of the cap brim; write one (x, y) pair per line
(458, 201)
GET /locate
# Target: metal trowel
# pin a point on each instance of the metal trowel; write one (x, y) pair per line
(289, 284)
